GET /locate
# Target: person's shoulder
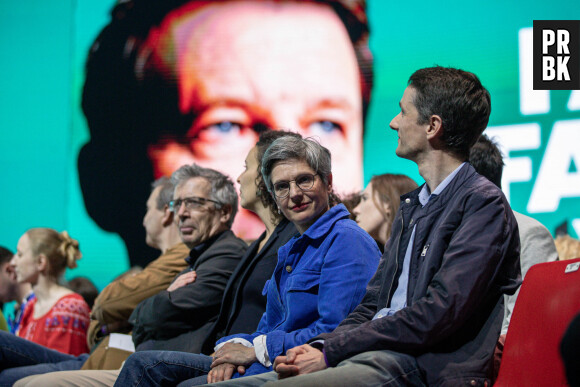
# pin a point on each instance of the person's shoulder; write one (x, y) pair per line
(476, 188)
(528, 224)
(348, 230)
(229, 238)
(73, 302)
(227, 243)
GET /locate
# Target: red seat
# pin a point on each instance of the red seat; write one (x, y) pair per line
(548, 301)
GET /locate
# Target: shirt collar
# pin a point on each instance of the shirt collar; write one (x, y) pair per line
(199, 249)
(425, 195)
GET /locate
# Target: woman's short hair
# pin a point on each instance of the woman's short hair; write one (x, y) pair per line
(60, 249)
(293, 148)
(266, 139)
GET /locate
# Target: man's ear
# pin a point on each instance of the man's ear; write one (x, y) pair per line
(167, 218)
(225, 213)
(435, 129)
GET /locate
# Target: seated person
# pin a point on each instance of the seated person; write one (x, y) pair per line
(432, 313)
(56, 318)
(320, 276)
(379, 203)
(117, 301)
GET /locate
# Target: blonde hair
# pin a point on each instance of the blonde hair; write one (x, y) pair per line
(59, 248)
(567, 247)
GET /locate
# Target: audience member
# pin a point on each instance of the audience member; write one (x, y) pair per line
(56, 318)
(85, 287)
(12, 290)
(537, 244)
(320, 276)
(568, 247)
(243, 303)
(432, 314)
(118, 300)
(379, 204)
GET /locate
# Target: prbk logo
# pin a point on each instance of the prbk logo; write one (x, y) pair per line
(556, 54)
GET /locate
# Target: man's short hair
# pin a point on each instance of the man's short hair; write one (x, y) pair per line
(487, 159)
(459, 98)
(166, 192)
(222, 187)
(5, 255)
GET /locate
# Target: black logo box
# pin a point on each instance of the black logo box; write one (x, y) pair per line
(573, 64)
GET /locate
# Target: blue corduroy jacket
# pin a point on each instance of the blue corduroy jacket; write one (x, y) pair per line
(319, 279)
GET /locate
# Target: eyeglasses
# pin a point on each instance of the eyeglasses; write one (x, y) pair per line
(191, 203)
(304, 182)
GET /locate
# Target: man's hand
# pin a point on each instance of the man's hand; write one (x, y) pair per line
(235, 354)
(300, 360)
(223, 372)
(182, 280)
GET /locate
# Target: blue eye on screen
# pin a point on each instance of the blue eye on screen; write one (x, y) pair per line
(325, 126)
(225, 127)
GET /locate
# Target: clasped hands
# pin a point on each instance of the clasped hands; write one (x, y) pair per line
(231, 357)
(300, 360)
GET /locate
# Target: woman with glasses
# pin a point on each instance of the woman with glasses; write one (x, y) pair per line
(56, 318)
(320, 276)
(379, 203)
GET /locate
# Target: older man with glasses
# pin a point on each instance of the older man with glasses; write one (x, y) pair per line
(204, 206)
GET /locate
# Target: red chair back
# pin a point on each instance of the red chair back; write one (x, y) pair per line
(548, 301)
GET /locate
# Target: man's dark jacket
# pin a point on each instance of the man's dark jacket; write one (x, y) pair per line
(173, 320)
(465, 256)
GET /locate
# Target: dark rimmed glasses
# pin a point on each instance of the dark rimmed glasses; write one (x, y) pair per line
(305, 182)
(191, 203)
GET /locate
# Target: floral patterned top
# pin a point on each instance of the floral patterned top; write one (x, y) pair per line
(63, 328)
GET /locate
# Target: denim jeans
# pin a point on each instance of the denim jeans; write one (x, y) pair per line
(20, 358)
(156, 368)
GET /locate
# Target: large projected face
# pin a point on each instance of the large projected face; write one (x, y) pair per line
(243, 66)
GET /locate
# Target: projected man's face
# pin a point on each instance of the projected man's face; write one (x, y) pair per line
(242, 66)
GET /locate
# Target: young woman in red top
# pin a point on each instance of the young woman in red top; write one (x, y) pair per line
(56, 318)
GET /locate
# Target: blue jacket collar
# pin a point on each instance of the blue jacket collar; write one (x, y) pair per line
(323, 224)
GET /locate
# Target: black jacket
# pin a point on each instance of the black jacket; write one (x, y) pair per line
(465, 256)
(170, 319)
(233, 301)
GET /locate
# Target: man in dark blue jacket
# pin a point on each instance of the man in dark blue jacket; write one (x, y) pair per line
(432, 313)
